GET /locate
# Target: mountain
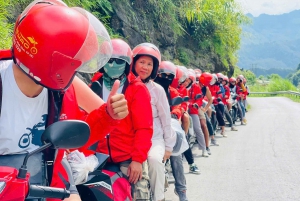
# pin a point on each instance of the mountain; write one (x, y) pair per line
(271, 41)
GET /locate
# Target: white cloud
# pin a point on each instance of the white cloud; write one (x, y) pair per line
(272, 7)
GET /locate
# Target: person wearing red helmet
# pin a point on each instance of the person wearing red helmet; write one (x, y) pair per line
(195, 104)
(181, 76)
(164, 137)
(165, 76)
(235, 89)
(204, 80)
(217, 102)
(40, 87)
(246, 93)
(227, 102)
(241, 93)
(128, 144)
(177, 83)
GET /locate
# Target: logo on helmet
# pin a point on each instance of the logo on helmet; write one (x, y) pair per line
(24, 44)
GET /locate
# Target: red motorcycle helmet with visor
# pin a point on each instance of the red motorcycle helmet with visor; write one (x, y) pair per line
(51, 42)
(121, 51)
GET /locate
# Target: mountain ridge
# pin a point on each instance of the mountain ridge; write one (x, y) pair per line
(271, 41)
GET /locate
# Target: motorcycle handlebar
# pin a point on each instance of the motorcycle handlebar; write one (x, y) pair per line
(48, 192)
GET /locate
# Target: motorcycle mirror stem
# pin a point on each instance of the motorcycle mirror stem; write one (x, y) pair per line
(23, 169)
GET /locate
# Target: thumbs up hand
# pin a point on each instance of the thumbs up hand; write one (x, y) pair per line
(116, 103)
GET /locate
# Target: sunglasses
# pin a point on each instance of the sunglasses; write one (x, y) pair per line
(166, 76)
(118, 61)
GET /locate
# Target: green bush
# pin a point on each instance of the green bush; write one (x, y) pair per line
(183, 57)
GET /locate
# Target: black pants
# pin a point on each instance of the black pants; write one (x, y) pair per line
(189, 156)
(228, 116)
(219, 115)
(209, 125)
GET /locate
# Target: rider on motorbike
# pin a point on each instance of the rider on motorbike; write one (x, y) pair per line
(164, 78)
(128, 144)
(164, 137)
(227, 102)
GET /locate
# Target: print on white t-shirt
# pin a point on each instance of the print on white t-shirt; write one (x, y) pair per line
(23, 119)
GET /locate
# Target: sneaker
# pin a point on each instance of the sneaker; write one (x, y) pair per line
(181, 195)
(244, 122)
(208, 150)
(234, 128)
(194, 169)
(214, 142)
(204, 153)
(223, 133)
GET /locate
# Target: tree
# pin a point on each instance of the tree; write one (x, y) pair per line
(5, 27)
(298, 68)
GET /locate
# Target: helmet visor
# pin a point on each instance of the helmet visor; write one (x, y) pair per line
(97, 54)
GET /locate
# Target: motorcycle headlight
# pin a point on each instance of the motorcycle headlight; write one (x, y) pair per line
(2, 186)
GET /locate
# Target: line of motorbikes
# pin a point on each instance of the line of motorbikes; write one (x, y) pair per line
(74, 134)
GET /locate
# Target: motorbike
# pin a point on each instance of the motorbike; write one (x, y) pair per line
(15, 185)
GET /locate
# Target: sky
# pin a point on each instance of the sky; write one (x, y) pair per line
(271, 7)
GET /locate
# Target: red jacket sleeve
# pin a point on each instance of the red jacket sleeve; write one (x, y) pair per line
(183, 93)
(100, 123)
(177, 108)
(142, 119)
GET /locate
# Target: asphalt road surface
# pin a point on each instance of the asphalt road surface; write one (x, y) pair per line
(259, 162)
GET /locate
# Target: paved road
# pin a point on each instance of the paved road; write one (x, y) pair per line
(259, 162)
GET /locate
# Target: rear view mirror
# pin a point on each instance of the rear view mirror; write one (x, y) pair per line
(176, 101)
(68, 134)
(186, 99)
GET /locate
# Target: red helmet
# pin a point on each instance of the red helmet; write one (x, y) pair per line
(180, 77)
(232, 79)
(167, 67)
(192, 76)
(220, 76)
(226, 78)
(198, 71)
(52, 41)
(241, 77)
(207, 79)
(148, 49)
(121, 50)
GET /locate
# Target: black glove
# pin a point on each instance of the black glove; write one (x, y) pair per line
(174, 116)
(219, 99)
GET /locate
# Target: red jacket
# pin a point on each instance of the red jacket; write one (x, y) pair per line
(214, 90)
(194, 90)
(183, 92)
(227, 94)
(132, 138)
(100, 124)
(177, 108)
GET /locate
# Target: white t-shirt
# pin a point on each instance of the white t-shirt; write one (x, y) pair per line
(23, 119)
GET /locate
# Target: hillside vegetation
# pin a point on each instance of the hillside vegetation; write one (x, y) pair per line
(195, 33)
